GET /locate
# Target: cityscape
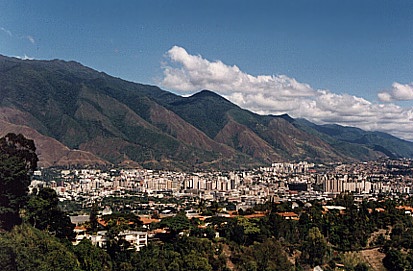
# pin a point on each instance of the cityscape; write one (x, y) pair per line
(279, 182)
(206, 135)
(167, 193)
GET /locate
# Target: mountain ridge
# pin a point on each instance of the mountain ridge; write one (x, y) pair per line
(114, 121)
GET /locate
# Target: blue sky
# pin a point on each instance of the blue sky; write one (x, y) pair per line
(347, 62)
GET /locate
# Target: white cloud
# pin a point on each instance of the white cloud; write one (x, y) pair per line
(8, 32)
(398, 92)
(279, 94)
(197, 73)
(31, 39)
(25, 57)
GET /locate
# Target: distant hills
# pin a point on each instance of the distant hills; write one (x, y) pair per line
(78, 116)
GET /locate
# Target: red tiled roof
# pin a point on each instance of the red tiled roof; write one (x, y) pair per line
(287, 214)
(80, 228)
(146, 220)
(255, 215)
(406, 208)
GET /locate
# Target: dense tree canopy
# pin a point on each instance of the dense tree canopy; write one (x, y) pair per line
(92, 258)
(27, 248)
(43, 212)
(266, 256)
(18, 146)
(17, 159)
(176, 223)
(314, 248)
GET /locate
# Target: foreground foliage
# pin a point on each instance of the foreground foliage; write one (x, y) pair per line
(17, 160)
(27, 248)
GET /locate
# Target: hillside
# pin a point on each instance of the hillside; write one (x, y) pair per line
(98, 119)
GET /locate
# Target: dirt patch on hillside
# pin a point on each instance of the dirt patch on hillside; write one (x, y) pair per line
(374, 258)
(227, 252)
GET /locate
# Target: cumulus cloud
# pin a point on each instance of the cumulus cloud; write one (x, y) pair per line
(398, 92)
(196, 72)
(278, 94)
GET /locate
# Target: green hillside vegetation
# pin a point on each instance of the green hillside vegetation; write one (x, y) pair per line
(349, 138)
(118, 121)
(205, 110)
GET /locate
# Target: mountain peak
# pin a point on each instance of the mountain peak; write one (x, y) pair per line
(210, 96)
(287, 118)
(206, 93)
(116, 120)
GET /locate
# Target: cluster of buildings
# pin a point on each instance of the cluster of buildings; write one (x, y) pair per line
(136, 239)
(244, 189)
(279, 181)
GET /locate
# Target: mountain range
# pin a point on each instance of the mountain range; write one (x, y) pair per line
(79, 116)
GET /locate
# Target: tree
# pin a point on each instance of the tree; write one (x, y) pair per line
(116, 245)
(266, 256)
(92, 258)
(93, 217)
(128, 221)
(27, 248)
(361, 267)
(155, 257)
(394, 261)
(43, 212)
(314, 248)
(244, 229)
(21, 147)
(270, 256)
(194, 262)
(345, 199)
(176, 223)
(17, 160)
